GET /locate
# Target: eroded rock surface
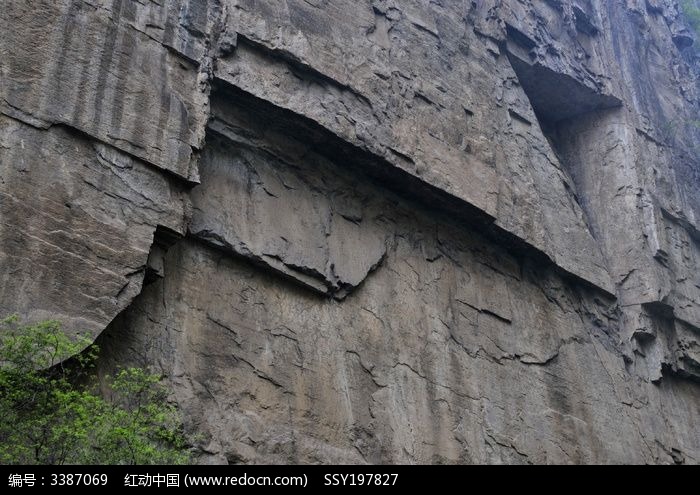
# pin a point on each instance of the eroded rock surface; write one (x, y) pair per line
(368, 231)
(77, 221)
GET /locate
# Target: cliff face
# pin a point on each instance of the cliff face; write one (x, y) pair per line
(368, 231)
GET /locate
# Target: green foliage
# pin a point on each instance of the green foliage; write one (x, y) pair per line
(52, 414)
(691, 10)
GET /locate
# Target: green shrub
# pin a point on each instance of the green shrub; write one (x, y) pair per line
(52, 414)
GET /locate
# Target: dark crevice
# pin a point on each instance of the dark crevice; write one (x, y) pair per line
(520, 38)
(163, 239)
(555, 96)
(659, 310)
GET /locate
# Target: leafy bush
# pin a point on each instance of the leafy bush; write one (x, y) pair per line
(52, 414)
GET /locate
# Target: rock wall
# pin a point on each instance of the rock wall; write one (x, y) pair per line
(368, 231)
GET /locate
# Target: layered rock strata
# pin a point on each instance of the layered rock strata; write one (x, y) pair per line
(368, 231)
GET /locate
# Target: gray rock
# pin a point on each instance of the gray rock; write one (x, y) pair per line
(108, 69)
(77, 221)
(253, 203)
(368, 231)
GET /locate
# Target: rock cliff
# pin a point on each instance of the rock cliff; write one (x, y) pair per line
(369, 231)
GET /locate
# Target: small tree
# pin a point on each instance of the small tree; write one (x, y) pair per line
(52, 414)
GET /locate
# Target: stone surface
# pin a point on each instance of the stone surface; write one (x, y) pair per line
(368, 231)
(381, 96)
(108, 69)
(77, 221)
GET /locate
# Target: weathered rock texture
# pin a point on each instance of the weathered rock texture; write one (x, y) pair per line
(368, 231)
